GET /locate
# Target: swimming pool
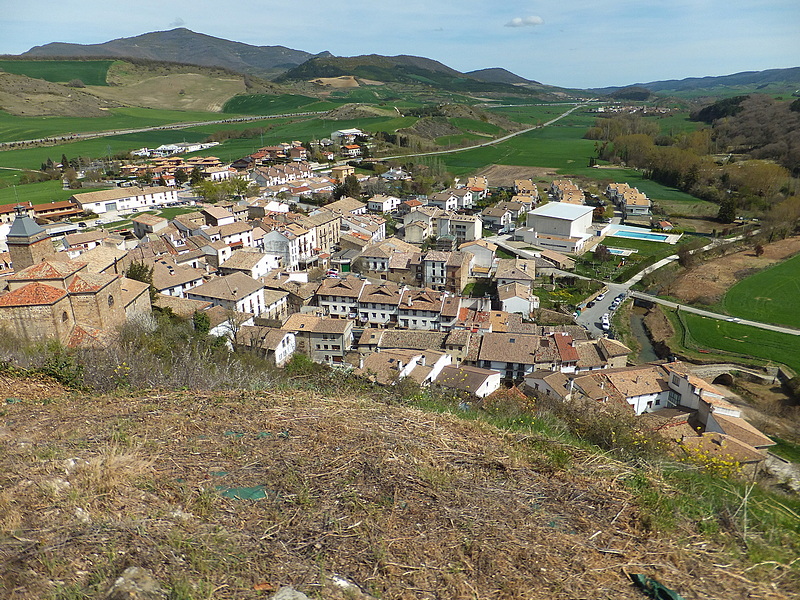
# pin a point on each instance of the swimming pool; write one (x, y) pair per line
(638, 234)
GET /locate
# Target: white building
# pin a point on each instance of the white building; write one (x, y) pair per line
(124, 199)
(558, 226)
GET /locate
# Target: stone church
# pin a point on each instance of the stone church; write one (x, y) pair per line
(49, 297)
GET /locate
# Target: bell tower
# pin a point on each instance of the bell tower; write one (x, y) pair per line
(28, 244)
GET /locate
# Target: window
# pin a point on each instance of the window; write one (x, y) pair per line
(674, 398)
(110, 300)
(64, 317)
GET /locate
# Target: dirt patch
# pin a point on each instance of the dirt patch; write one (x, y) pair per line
(431, 128)
(345, 81)
(245, 491)
(42, 389)
(182, 91)
(709, 281)
(28, 97)
(504, 175)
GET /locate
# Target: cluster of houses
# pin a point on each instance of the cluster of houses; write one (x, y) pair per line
(630, 201)
(331, 283)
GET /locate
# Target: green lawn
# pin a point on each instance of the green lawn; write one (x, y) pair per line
(770, 296)
(476, 126)
(741, 340)
(90, 72)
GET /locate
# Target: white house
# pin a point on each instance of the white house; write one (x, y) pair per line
(383, 204)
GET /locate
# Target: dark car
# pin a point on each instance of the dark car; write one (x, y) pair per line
(590, 304)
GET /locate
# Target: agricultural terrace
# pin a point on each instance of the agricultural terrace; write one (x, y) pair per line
(770, 296)
(90, 72)
(37, 193)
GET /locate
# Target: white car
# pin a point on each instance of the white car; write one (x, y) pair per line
(600, 297)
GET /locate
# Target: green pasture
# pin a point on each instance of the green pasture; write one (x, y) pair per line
(676, 123)
(90, 72)
(36, 193)
(14, 128)
(530, 114)
(770, 296)
(264, 104)
(647, 253)
(741, 340)
(557, 147)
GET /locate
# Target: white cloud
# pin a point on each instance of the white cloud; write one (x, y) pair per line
(525, 22)
(178, 22)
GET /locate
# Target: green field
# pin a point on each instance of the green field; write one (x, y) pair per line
(90, 72)
(263, 104)
(741, 340)
(14, 128)
(770, 296)
(36, 193)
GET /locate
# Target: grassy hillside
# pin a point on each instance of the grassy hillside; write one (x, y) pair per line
(228, 494)
(769, 296)
(263, 104)
(90, 72)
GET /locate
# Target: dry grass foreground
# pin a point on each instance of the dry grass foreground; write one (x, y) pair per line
(709, 281)
(404, 503)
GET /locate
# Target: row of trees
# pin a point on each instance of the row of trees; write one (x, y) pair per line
(684, 161)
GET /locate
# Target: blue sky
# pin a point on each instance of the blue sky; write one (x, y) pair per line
(572, 43)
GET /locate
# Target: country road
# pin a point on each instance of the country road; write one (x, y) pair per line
(499, 140)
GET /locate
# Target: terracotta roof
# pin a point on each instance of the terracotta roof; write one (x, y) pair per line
(33, 294)
(565, 348)
(89, 282)
(49, 269)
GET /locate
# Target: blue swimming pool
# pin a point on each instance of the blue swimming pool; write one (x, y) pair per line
(629, 232)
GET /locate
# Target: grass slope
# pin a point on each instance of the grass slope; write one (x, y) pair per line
(225, 494)
(90, 72)
(741, 340)
(770, 296)
(264, 104)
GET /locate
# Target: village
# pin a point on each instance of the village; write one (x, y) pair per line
(378, 284)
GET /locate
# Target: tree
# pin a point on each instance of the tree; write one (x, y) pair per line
(759, 249)
(196, 176)
(201, 322)
(602, 253)
(727, 210)
(181, 177)
(139, 271)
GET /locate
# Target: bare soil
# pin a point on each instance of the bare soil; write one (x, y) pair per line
(709, 281)
(504, 175)
(405, 504)
(28, 97)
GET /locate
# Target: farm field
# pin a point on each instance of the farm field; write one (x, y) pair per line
(90, 72)
(36, 193)
(14, 128)
(742, 340)
(263, 104)
(769, 296)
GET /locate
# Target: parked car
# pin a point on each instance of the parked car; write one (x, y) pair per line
(82, 224)
(590, 304)
(600, 297)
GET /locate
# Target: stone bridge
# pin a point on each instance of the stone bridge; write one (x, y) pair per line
(722, 373)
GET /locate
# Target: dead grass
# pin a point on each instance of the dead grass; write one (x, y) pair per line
(504, 175)
(404, 503)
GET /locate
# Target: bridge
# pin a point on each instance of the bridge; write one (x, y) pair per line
(722, 373)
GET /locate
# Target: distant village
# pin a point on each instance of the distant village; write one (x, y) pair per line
(378, 284)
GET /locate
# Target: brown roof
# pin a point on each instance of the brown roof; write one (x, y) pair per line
(464, 378)
(229, 287)
(303, 322)
(183, 307)
(381, 293)
(723, 447)
(565, 349)
(148, 219)
(33, 294)
(742, 431)
(412, 339)
(347, 287)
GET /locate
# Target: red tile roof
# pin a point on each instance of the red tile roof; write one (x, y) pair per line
(33, 294)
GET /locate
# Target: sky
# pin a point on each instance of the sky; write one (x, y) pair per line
(571, 43)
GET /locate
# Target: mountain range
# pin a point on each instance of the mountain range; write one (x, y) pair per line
(284, 64)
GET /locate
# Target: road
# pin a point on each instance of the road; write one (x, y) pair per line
(499, 140)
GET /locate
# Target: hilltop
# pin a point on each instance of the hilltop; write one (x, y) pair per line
(231, 491)
(184, 46)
